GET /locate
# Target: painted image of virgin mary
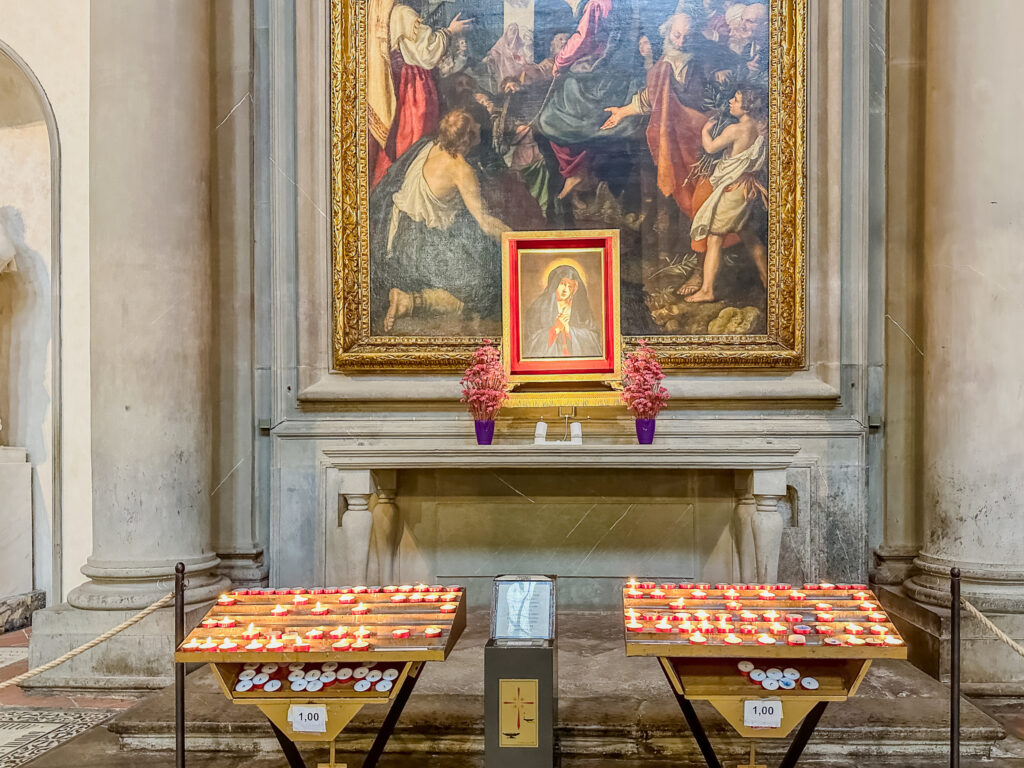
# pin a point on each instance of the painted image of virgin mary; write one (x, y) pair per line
(560, 323)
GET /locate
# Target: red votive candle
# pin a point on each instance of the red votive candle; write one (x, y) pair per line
(360, 590)
(344, 644)
(879, 629)
(826, 617)
(766, 595)
(390, 589)
(417, 597)
(362, 633)
(226, 623)
(226, 600)
(734, 605)
(300, 645)
(251, 633)
(732, 640)
(361, 610)
(402, 633)
(656, 594)
(634, 626)
(300, 600)
(228, 646)
(447, 608)
(765, 640)
(347, 600)
(748, 616)
(210, 623)
(432, 632)
(191, 646)
(796, 640)
(450, 597)
(663, 626)
(798, 596)
(315, 634)
(677, 604)
(893, 640)
(853, 640)
(877, 616)
(826, 629)
(275, 644)
(685, 627)
(698, 594)
(823, 606)
(794, 618)
(778, 629)
(320, 610)
(698, 639)
(278, 610)
(210, 646)
(360, 645)
(771, 615)
(399, 598)
(748, 629)
(256, 646)
(854, 629)
(802, 629)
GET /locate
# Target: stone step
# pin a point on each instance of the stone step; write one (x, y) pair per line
(608, 706)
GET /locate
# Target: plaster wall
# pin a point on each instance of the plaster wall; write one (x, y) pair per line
(481, 523)
(52, 38)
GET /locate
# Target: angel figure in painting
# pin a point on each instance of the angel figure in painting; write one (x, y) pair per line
(560, 323)
(737, 188)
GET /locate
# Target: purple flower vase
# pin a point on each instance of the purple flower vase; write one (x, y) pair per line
(484, 432)
(645, 431)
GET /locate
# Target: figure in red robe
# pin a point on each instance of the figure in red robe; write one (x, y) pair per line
(402, 98)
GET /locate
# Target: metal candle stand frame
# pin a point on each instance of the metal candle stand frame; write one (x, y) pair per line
(399, 698)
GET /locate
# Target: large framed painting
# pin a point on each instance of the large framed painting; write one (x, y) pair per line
(560, 306)
(678, 123)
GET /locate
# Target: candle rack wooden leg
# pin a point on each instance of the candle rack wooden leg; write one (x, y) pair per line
(332, 763)
(291, 752)
(753, 761)
(803, 735)
(391, 720)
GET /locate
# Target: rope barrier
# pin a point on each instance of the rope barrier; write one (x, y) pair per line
(92, 643)
(1014, 645)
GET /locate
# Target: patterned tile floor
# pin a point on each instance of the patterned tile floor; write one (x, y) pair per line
(31, 723)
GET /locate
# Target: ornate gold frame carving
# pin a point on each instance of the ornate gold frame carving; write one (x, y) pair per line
(784, 344)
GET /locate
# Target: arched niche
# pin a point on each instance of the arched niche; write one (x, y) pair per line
(30, 393)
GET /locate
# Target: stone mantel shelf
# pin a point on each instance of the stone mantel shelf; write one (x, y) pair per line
(361, 474)
(761, 387)
(691, 454)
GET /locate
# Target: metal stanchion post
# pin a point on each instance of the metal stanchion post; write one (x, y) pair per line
(954, 671)
(179, 668)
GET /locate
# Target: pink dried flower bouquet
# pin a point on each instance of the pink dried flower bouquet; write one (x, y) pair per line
(642, 391)
(485, 384)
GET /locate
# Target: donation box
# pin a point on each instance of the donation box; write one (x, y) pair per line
(520, 674)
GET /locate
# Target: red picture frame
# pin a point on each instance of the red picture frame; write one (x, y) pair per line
(560, 306)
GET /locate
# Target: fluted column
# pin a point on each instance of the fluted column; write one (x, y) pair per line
(972, 451)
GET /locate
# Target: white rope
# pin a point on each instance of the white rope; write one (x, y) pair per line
(1014, 645)
(91, 644)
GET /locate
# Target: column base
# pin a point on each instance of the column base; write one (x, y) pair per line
(138, 659)
(244, 568)
(893, 565)
(988, 667)
(115, 586)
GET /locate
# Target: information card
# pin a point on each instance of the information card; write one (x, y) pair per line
(523, 608)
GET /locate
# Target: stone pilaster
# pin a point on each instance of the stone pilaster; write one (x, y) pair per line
(151, 305)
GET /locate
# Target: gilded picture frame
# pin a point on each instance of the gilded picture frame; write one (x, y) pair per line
(560, 306)
(780, 338)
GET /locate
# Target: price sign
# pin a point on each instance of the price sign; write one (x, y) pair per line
(762, 713)
(308, 718)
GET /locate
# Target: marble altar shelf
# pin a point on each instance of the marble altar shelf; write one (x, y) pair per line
(355, 472)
